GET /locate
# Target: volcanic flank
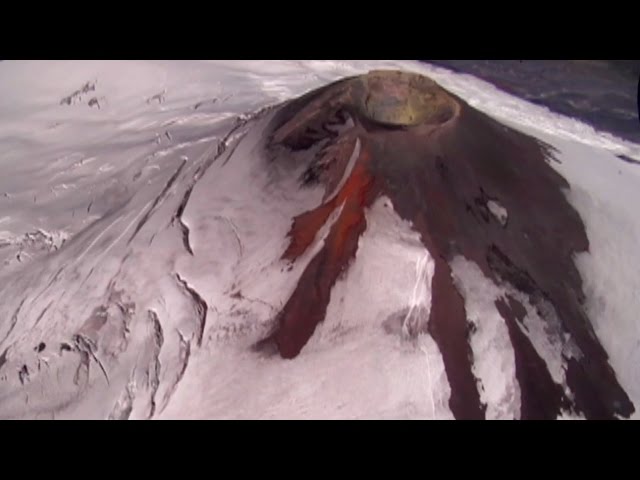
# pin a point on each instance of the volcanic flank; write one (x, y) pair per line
(472, 189)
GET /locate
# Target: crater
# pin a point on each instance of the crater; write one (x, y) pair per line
(403, 99)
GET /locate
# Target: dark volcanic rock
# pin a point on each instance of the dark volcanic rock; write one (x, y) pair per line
(441, 163)
(541, 397)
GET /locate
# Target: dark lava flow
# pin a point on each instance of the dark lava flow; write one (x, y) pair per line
(442, 163)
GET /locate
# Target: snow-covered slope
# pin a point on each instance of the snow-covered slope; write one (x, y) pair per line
(139, 269)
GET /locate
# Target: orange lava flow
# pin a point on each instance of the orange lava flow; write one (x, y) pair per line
(353, 194)
(307, 305)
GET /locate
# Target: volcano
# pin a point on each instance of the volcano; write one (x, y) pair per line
(476, 192)
(354, 243)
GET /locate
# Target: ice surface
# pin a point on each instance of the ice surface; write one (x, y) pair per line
(605, 192)
(358, 364)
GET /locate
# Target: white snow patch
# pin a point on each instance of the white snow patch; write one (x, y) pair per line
(570, 416)
(498, 211)
(544, 335)
(347, 171)
(494, 359)
(493, 356)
